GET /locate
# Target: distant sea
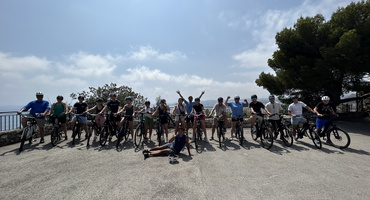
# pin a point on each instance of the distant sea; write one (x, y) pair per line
(4, 108)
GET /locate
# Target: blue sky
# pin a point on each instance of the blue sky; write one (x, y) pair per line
(154, 47)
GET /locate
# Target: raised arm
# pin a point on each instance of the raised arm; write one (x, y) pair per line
(226, 101)
(178, 92)
(200, 96)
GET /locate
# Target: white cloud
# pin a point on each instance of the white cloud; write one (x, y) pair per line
(26, 63)
(147, 52)
(87, 65)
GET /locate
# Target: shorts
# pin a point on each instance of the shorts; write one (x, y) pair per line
(40, 122)
(297, 120)
(189, 119)
(61, 119)
(148, 121)
(129, 118)
(234, 119)
(178, 118)
(82, 118)
(99, 118)
(321, 123)
(164, 120)
(116, 118)
(170, 149)
(202, 117)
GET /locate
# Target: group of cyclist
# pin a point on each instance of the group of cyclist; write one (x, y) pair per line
(185, 113)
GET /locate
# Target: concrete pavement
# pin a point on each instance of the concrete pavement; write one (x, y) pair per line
(249, 172)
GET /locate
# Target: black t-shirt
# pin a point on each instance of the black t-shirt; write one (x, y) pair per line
(198, 108)
(257, 106)
(113, 106)
(324, 110)
(80, 107)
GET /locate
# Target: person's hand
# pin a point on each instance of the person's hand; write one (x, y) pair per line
(228, 97)
(203, 92)
(245, 100)
(19, 112)
(178, 91)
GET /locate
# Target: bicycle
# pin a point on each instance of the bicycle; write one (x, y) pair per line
(283, 130)
(29, 132)
(239, 129)
(307, 130)
(198, 133)
(92, 126)
(140, 131)
(57, 130)
(77, 129)
(262, 131)
(109, 127)
(336, 136)
(123, 131)
(159, 129)
(220, 131)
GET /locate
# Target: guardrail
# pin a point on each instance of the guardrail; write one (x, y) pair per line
(9, 120)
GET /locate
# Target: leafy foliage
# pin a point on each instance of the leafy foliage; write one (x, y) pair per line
(104, 93)
(318, 58)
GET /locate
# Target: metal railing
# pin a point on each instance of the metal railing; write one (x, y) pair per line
(9, 120)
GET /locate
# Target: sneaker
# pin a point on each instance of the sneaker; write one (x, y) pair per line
(42, 140)
(166, 140)
(146, 151)
(295, 138)
(95, 137)
(212, 138)
(110, 138)
(65, 137)
(206, 139)
(317, 141)
(254, 128)
(146, 155)
(192, 139)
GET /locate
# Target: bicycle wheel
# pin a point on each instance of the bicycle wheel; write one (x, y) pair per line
(267, 138)
(159, 136)
(286, 136)
(138, 136)
(103, 136)
(76, 129)
(339, 138)
(315, 138)
(23, 138)
(254, 132)
(219, 135)
(119, 138)
(198, 137)
(54, 136)
(241, 136)
(89, 134)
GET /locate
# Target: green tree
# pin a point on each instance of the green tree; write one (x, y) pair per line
(316, 57)
(103, 92)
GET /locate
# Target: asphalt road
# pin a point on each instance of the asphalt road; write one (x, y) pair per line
(249, 172)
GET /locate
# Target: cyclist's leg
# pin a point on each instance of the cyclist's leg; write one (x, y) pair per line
(41, 124)
(252, 120)
(165, 129)
(194, 132)
(131, 128)
(233, 127)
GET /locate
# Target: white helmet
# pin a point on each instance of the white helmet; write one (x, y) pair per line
(325, 98)
(173, 158)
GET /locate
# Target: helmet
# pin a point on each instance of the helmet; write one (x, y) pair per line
(128, 98)
(173, 158)
(112, 95)
(99, 100)
(325, 98)
(39, 94)
(147, 102)
(197, 99)
(237, 97)
(60, 97)
(220, 99)
(180, 128)
(271, 97)
(163, 100)
(254, 96)
(81, 97)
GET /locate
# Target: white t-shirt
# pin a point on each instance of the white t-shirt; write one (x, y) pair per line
(274, 109)
(219, 110)
(296, 108)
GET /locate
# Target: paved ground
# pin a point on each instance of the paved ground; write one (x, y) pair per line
(248, 172)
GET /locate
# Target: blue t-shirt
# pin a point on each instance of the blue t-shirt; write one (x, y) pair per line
(37, 107)
(236, 108)
(189, 106)
(179, 143)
